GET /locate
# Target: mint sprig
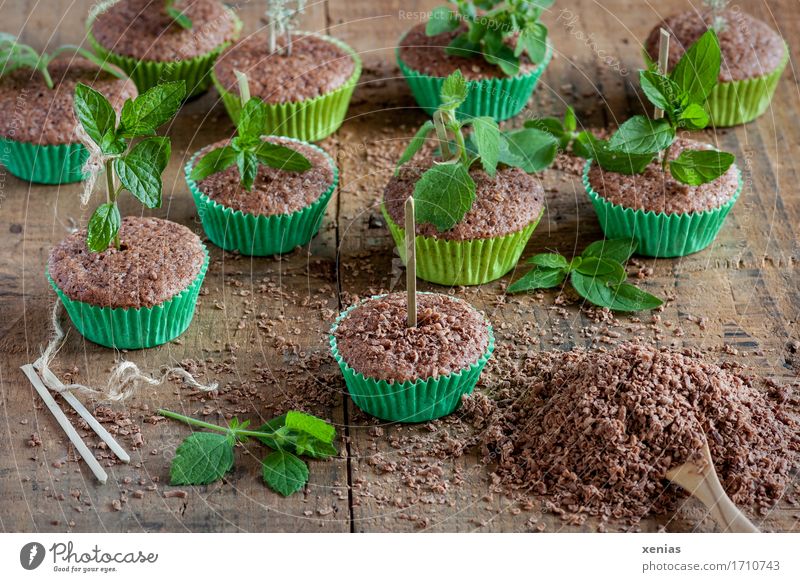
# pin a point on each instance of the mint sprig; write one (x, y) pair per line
(598, 275)
(205, 457)
(178, 15)
(139, 165)
(489, 24)
(446, 191)
(16, 55)
(247, 150)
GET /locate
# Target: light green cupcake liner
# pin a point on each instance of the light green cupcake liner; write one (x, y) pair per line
(146, 74)
(260, 235)
(660, 234)
(307, 120)
(411, 401)
(44, 164)
(468, 262)
(736, 102)
(134, 329)
(499, 98)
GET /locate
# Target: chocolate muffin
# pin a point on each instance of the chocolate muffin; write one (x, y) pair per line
(657, 191)
(275, 191)
(32, 112)
(426, 54)
(504, 204)
(157, 260)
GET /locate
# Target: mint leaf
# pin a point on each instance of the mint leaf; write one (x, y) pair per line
(282, 157)
(570, 120)
(299, 443)
(698, 70)
(461, 46)
(630, 298)
(531, 149)
(316, 427)
(454, 91)
(588, 146)
(603, 269)
(202, 458)
(416, 143)
(443, 195)
(140, 170)
(695, 167)
(642, 135)
(534, 41)
(662, 91)
(549, 260)
(486, 135)
(177, 15)
(551, 125)
(442, 20)
(214, 161)
(538, 278)
(502, 55)
(152, 109)
(247, 163)
(693, 117)
(284, 473)
(620, 297)
(103, 227)
(252, 120)
(612, 250)
(95, 114)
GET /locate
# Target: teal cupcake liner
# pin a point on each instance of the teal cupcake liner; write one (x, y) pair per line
(307, 120)
(411, 401)
(134, 329)
(44, 164)
(259, 235)
(500, 98)
(660, 234)
(468, 262)
(147, 74)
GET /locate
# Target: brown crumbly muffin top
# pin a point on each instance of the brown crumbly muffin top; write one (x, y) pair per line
(315, 67)
(157, 260)
(274, 191)
(142, 29)
(750, 48)
(425, 54)
(504, 204)
(374, 339)
(31, 112)
(658, 191)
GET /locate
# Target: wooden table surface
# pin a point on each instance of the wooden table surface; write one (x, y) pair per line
(260, 328)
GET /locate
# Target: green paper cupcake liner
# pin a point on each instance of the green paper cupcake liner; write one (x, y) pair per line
(146, 74)
(500, 98)
(259, 235)
(306, 120)
(134, 329)
(660, 234)
(44, 164)
(411, 401)
(469, 262)
(736, 102)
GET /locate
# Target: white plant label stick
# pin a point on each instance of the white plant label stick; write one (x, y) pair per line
(244, 86)
(663, 62)
(411, 263)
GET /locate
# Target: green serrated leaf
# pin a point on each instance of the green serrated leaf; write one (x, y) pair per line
(247, 162)
(531, 149)
(202, 458)
(614, 250)
(642, 135)
(443, 195)
(551, 125)
(140, 170)
(299, 443)
(697, 72)
(570, 120)
(454, 91)
(616, 297)
(549, 260)
(534, 41)
(486, 135)
(442, 20)
(603, 269)
(588, 146)
(693, 117)
(103, 227)
(416, 143)
(461, 46)
(695, 167)
(538, 278)
(281, 157)
(152, 109)
(95, 114)
(662, 91)
(213, 162)
(177, 15)
(284, 473)
(252, 120)
(503, 56)
(315, 427)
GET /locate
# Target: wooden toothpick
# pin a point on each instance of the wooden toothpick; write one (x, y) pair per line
(663, 62)
(244, 86)
(411, 263)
